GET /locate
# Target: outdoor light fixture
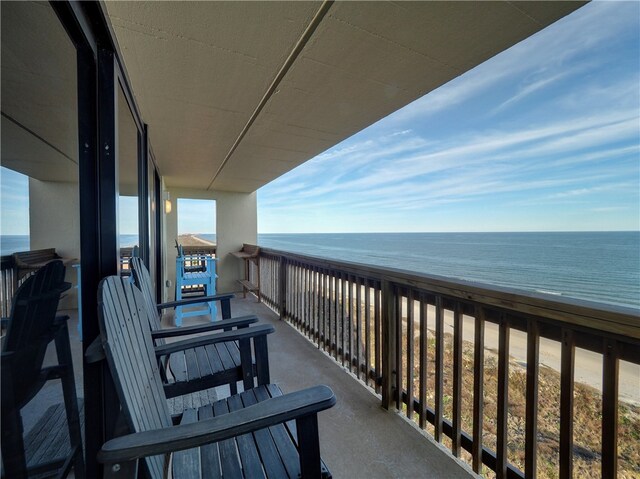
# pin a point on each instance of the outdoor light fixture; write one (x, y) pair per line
(167, 203)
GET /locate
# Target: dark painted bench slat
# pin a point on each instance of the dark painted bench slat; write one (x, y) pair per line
(246, 446)
(186, 464)
(282, 439)
(230, 463)
(268, 450)
(203, 361)
(209, 453)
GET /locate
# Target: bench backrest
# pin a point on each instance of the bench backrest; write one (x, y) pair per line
(35, 256)
(142, 280)
(33, 312)
(126, 338)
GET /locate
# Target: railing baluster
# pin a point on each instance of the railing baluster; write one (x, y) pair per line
(378, 327)
(531, 434)
(457, 380)
(310, 295)
(410, 337)
(503, 398)
(389, 334)
(292, 292)
(358, 335)
(566, 404)
(350, 320)
(298, 292)
(336, 304)
(367, 331)
(317, 297)
(399, 296)
(343, 333)
(610, 374)
(423, 362)
(439, 369)
(325, 290)
(315, 317)
(478, 390)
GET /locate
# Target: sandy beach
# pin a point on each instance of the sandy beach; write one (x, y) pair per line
(588, 369)
(190, 239)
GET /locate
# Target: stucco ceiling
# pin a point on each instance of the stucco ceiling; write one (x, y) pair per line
(203, 74)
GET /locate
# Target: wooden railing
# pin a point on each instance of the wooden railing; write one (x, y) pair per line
(439, 351)
(8, 284)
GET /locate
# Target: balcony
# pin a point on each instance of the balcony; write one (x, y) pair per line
(358, 437)
(364, 326)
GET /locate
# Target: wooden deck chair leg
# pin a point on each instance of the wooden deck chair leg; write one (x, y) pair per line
(63, 350)
(13, 458)
(309, 446)
(246, 363)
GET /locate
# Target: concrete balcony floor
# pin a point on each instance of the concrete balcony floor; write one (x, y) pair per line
(358, 438)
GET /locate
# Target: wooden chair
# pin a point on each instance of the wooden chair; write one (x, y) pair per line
(202, 274)
(31, 327)
(259, 433)
(191, 370)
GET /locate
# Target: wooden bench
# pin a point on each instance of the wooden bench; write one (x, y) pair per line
(249, 254)
(27, 262)
(258, 433)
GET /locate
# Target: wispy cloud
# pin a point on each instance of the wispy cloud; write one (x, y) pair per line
(554, 121)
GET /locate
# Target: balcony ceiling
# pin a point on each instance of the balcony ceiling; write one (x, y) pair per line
(203, 74)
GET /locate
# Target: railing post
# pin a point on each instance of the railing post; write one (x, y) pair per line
(610, 375)
(282, 288)
(389, 335)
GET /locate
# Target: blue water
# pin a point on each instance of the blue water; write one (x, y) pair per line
(599, 266)
(602, 266)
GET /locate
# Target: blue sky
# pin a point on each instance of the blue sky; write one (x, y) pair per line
(196, 216)
(14, 203)
(543, 137)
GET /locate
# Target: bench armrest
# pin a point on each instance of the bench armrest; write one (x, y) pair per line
(236, 335)
(198, 300)
(202, 328)
(186, 436)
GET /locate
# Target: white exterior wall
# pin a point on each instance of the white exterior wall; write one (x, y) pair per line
(54, 222)
(236, 223)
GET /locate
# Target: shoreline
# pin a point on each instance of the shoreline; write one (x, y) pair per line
(191, 239)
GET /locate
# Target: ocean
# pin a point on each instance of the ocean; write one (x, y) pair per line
(597, 266)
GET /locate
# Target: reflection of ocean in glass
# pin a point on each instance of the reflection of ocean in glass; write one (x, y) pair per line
(127, 241)
(12, 243)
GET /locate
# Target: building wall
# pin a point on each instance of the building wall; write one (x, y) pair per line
(54, 222)
(236, 223)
